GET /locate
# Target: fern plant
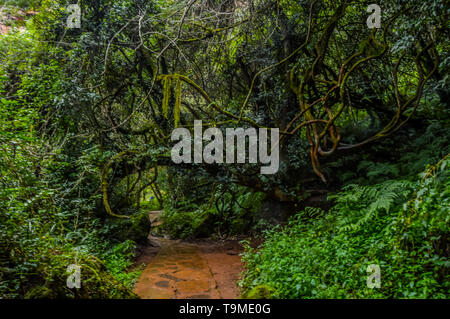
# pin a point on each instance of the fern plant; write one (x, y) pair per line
(359, 204)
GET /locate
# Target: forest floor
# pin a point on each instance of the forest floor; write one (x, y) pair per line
(177, 269)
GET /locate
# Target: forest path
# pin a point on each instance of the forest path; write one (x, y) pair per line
(189, 270)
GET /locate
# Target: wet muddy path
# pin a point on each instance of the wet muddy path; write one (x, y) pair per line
(193, 270)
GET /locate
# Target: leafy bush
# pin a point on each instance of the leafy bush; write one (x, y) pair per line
(325, 255)
(49, 202)
(118, 259)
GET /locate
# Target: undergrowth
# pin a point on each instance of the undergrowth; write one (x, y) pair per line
(400, 225)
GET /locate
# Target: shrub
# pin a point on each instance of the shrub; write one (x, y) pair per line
(401, 226)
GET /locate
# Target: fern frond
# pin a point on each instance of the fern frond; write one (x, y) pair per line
(361, 204)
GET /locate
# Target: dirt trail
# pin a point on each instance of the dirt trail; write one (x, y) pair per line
(191, 270)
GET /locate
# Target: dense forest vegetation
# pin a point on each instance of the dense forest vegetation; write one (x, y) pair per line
(86, 117)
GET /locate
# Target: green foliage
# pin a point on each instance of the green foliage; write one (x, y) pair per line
(119, 259)
(49, 201)
(19, 3)
(188, 224)
(325, 255)
(364, 203)
(225, 213)
(73, 100)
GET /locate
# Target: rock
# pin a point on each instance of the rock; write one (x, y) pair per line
(135, 228)
(260, 292)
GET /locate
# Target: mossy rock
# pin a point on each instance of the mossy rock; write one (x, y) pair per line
(205, 225)
(260, 292)
(96, 281)
(135, 228)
